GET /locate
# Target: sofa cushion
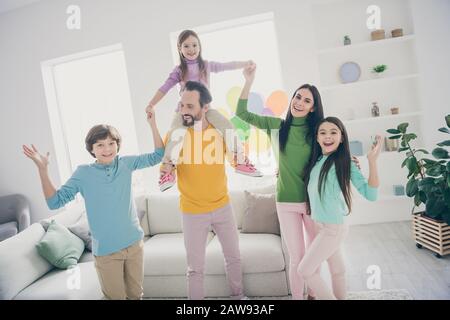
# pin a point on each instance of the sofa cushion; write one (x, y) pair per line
(259, 253)
(20, 263)
(8, 229)
(165, 254)
(79, 282)
(261, 214)
(60, 246)
(163, 213)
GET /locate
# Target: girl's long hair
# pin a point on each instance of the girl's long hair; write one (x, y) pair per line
(340, 158)
(312, 118)
(183, 65)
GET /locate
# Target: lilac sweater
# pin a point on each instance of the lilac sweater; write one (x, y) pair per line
(193, 73)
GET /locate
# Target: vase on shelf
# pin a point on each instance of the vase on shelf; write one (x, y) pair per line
(347, 41)
(375, 110)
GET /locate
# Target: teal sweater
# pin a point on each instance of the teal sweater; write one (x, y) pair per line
(110, 210)
(331, 207)
(291, 162)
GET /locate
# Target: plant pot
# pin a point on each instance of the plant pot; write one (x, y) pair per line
(431, 234)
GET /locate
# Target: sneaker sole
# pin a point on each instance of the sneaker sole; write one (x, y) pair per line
(250, 174)
(166, 186)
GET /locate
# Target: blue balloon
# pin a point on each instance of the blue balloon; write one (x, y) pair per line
(255, 103)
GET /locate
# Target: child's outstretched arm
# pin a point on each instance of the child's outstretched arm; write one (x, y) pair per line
(173, 79)
(41, 162)
(156, 98)
(372, 156)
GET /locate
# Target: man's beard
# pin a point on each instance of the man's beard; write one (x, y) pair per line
(189, 122)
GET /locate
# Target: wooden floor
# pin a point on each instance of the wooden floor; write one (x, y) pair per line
(403, 266)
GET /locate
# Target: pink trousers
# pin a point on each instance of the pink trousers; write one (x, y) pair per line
(326, 247)
(294, 224)
(195, 229)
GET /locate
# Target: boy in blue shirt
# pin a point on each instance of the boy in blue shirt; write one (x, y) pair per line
(105, 185)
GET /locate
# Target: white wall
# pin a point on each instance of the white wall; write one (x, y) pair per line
(432, 26)
(38, 32)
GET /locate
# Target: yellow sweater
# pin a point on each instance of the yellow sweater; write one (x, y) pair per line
(201, 172)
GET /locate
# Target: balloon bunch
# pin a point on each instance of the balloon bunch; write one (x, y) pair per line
(274, 106)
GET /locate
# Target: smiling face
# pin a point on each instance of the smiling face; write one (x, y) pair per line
(190, 108)
(329, 137)
(302, 103)
(190, 48)
(105, 150)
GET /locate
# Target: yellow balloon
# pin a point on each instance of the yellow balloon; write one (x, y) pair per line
(233, 97)
(258, 141)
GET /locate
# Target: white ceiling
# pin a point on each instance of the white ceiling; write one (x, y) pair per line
(8, 5)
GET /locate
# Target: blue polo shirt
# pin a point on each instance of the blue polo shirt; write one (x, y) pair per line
(109, 203)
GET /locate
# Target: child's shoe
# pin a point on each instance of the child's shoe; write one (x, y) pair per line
(247, 168)
(166, 181)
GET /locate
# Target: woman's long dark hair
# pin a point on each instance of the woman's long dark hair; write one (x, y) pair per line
(340, 158)
(312, 118)
(183, 65)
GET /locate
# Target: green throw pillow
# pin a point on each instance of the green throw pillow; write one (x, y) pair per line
(60, 246)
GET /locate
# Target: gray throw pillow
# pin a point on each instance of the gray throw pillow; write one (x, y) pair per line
(261, 214)
(81, 229)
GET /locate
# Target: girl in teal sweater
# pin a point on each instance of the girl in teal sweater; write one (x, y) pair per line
(328, 178)
(291, 140)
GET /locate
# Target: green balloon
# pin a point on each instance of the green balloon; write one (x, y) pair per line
(242, 128)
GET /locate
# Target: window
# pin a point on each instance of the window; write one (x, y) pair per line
(83, 90)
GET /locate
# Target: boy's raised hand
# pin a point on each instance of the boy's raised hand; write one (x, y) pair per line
(375, 150)
(40, 160)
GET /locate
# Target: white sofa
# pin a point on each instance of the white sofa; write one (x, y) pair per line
(26, 275)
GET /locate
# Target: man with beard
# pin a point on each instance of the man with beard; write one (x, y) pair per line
(204, 200)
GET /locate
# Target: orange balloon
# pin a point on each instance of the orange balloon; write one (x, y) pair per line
(277, 102)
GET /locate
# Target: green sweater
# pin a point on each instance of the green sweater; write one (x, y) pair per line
(291, 162)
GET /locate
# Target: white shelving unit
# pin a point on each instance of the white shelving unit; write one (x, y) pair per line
(352, 102)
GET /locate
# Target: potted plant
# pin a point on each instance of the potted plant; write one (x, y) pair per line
(347, 40)
(379, 69)
(429, 184)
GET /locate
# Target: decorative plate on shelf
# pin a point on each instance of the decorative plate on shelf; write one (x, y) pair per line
(349, 72)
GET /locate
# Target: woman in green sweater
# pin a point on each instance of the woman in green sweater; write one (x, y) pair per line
(292, 143)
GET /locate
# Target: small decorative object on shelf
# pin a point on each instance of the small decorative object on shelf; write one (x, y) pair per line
(356, 148)
(399, 190)
(379, 68)
(395, 110)
(390, 145)
(349, 72)
(347, 40)
(378, 34)
(375, 110)
(397, 33)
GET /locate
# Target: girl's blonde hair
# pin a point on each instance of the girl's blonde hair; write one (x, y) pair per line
(183, 66)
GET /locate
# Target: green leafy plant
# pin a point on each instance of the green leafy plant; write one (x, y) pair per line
(379, 68)
(346, 37)
(428, 179)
